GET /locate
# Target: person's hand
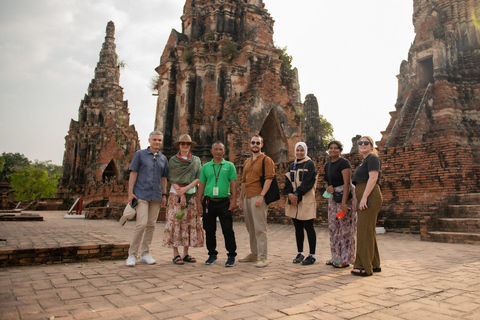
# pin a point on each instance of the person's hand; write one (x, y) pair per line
(199, 206)
(363, 204)
(293, 199)
(345, 208)
(163, 203)
(232, 206)
(181, 191)
(183, 202)
(131, 197)
(259, 201)
(330, 189)
(240, 204)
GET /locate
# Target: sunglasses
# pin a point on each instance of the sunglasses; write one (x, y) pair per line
(185, 143)
(363, 142)
(255, 143)
(155, 157)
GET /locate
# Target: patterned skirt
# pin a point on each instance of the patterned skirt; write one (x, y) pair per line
(343, 232)
(187, 231)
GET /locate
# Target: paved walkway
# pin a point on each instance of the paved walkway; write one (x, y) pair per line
(419, 280)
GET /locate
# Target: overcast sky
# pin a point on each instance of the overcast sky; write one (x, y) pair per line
(347, 53)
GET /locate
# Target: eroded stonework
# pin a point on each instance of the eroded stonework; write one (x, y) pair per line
(101, 144)
(431, 147)
(221, 78)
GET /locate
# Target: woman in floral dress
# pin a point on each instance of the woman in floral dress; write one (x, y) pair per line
(342, 230)
(183, 226)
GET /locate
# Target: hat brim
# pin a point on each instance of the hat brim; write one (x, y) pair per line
(177, 143)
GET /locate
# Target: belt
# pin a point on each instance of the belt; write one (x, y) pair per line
(217, 199)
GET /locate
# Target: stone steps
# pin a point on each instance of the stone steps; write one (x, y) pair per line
(461, 223)
(464, 224)
(455, 237)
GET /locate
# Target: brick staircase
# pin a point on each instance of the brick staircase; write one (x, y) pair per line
(459, 224)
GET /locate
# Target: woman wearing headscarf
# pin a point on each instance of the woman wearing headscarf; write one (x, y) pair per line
(183, 226)
(367, 189)
(341, 227)
(300, 182)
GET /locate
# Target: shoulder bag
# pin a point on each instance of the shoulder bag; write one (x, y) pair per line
(273, 194)
(337, 195)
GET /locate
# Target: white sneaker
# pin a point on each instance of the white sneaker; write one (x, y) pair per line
(262, 263)
(146, 258)
(131, 261)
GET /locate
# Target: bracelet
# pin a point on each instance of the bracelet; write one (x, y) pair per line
(164, 195)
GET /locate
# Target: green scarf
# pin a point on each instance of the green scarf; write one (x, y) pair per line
(183, 171)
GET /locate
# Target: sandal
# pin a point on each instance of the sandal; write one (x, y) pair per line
(359, 273)
(329, 262)
(177, 260)
(340, 265)
(378, 269)
(189, 258)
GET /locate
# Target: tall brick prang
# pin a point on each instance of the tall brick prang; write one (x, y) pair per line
(431, 147)
(222, 78)
(100, 145)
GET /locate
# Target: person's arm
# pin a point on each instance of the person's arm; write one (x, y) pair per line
(372, 181)
(240, 198)
(131, 183)
(200, 194)
(260, 199)
(233, 192)
(346, 173)
(288, 189)
(163, 182)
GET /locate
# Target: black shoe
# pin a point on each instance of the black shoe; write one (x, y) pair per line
(211, 259)
(299, 258)
(230, 261)
(309, 260)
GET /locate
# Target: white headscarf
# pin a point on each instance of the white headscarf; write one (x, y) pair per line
(304, 146)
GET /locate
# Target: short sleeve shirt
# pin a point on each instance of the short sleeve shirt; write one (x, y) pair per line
(218, 175)
(370, 163)
(333, 171)
(151, 168)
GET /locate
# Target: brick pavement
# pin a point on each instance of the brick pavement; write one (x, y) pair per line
(418, 280)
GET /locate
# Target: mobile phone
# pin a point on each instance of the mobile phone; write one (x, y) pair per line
(134, 202)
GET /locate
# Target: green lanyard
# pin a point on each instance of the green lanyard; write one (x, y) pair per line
(215, 173)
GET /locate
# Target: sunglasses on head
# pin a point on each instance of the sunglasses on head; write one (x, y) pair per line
(255, 143)
(363, 142)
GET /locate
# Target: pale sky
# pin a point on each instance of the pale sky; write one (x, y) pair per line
(347, 53)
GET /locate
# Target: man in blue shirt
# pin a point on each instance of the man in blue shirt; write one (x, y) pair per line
(148, 185)
(217, 182)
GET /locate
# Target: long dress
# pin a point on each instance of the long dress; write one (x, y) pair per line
(187, 230)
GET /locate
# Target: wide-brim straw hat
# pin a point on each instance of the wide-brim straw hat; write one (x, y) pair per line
(185, 138)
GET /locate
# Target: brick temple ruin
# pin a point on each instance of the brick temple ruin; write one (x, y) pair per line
(100, 145)
(221, 78)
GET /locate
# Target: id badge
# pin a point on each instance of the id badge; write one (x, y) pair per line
(215, 191)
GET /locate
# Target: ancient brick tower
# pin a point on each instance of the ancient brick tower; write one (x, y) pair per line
(100, 145)
(431, 147)
(312, 127)
(222, 78)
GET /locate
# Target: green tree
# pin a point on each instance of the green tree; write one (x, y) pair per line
(327, 131)
(2, 164)
(287, 72)
(52, 169)
(31, 183)
(13, 161)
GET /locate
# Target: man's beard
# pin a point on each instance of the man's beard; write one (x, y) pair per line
(256, 151)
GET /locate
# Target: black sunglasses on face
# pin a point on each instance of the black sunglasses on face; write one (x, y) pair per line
(363, 142)
(255, 142)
